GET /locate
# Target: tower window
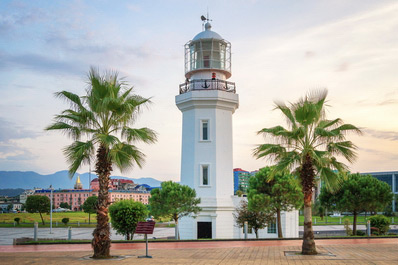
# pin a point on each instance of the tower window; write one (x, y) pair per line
(205, 130)
(205, 175)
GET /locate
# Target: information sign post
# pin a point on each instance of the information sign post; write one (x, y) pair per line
(145, 228)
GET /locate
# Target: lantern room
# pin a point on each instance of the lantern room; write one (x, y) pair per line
(207, 53)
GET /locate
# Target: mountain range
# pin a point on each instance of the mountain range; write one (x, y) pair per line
(59, 180)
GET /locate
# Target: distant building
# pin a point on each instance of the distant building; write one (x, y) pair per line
(24, 195)
(241, 179)
(391, 178)
(76, 197)
(78, 184)
(115, 184)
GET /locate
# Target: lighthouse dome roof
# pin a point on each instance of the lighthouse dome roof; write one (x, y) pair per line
(207, 34)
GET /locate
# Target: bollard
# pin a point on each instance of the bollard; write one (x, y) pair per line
(78, 223)
(245, 229)
(70, 233)
(392, 221)
(315, 220)
(340, 220)
(176, 232)
(36, 227)
(368, 228)
(14, 223)
(56, 223)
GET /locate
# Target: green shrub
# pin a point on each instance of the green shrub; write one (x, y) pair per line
(65, 220)
(17, 220)
(360, 233)
(392, 234)
(381, 222)
(125, 215)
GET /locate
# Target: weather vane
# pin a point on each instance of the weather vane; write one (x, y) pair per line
(205, 19)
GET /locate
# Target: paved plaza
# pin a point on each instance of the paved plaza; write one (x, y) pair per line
(347, 251)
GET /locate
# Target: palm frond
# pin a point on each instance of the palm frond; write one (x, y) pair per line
(344, 148)
(73, 132)
(78, 153)
(125, 156)
(145, 135)
(270, 150)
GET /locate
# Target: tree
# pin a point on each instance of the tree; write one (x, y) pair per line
(90, 206)
(307, 147)
(125, 215)
(255, 219)
(9, 207)
(381, 222)
(281, 193)
(174, 200)
(357, 194)
(38, 204)
(65, 205)
(100, 125)
(65, 220)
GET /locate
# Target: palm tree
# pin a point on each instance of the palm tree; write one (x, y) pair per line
(308, 148)
(97, 122)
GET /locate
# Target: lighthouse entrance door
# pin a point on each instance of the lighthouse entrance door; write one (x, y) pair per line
(204, 230)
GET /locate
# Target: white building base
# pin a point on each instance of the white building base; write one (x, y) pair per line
(221, 222)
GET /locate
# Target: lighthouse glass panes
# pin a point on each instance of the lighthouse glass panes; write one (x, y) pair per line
(208, 54)
(205, 130)
(205, 175)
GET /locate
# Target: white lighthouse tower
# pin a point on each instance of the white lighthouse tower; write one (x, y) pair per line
(207, 101)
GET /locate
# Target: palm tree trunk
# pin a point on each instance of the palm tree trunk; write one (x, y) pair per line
(308, 247)
(307, 182)
(279, 222)
(101, 242)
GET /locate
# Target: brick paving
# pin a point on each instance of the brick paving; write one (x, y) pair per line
(358, 251)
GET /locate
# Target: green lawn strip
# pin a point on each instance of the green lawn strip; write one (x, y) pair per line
(74, 217)
(336, 220)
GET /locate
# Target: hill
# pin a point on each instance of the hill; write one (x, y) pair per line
(11, 192)
(59, 180)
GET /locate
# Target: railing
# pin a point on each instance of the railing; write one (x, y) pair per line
(207, 84)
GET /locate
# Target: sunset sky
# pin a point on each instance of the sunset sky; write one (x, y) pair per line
(280, 50)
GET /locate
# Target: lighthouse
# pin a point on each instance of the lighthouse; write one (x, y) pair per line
(207, 100)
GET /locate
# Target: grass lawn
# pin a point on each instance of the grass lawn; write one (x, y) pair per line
(28, 219)
(316, 220)
(74, 217)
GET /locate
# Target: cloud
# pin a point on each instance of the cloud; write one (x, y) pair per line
(23, 16)
(38, 63)
(309, 54)
(10, 131)
(387, 135)
(343, 67)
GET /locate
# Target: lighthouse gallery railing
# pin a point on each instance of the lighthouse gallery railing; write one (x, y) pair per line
(207, 84)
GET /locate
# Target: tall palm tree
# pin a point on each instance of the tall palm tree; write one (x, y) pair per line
(99, 123)
(308, 147)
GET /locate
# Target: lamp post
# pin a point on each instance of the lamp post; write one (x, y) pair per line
(51, 209)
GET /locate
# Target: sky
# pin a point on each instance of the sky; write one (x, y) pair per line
(280, 51)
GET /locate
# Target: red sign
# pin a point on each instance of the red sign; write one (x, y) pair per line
(145, 228)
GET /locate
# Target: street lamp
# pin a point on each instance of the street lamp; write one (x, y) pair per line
(51, 209)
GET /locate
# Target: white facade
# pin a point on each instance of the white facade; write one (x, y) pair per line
(207, 105)
(207, 102)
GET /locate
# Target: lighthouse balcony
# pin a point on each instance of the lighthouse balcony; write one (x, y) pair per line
(207, 84)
